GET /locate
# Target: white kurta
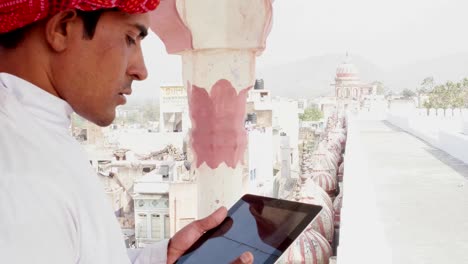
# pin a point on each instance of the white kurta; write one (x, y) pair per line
(52, 206)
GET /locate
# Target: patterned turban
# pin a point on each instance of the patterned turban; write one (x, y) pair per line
(15, 14)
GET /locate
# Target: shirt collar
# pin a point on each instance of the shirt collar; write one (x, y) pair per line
(45, 107)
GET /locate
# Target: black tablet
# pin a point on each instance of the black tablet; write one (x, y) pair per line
(264, 226)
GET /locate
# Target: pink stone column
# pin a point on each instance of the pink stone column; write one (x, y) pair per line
(218, 41)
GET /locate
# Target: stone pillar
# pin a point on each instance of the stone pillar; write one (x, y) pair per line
(218, 41)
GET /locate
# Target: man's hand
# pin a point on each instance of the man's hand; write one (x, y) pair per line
(187, 236)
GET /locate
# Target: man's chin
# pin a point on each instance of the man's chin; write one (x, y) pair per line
(101, 121)
(105, 121)
(101, 118)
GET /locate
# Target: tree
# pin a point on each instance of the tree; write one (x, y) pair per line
(448, 95)
(311, 114)
(380, 88)
(427, 85)
(150, 111)
(139, 113)
(428, 104)
(132, 118)
(389, 94)
(454, 95)
(407, 93)
(439, 97)
(464, 84)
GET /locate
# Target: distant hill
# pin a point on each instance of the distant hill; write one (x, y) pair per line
(312, 76)
(448, 68)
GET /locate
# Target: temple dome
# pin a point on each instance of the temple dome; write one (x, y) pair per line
(341, 172)
(324, 223)
(309, 248)
(310, 189)
(326, 181)
(309, 192)
(347, 70)
(337, 204)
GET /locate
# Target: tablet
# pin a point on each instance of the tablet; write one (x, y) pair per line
(264, 226)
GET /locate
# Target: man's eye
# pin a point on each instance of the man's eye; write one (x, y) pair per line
(130, 40)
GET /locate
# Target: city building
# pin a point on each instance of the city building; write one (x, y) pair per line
(350, 91)
(174, 112)
(151, 203)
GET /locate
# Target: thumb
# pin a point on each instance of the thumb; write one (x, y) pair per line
(245, 258)
(212, 220)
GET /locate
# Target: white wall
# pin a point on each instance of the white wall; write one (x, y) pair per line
(285, 112)
(260, 162)
(362, 236)
(143, 142)
(183, 203)
(443, 132)
(465, 126)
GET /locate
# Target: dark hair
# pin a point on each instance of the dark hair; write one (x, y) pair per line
(12, 39)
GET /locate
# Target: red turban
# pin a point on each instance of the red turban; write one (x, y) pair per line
(15, 14)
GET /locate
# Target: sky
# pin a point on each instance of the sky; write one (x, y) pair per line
(387, 33)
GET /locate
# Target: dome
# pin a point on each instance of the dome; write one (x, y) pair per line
(344, 122)
(324, 223)
(285, 186)
(310, 189)
(309, 248)
(337, 204)
(341, 172)
(310, 193)
(324, 175)
(325, 180)
(324, 159)
(347, 70)
(339, 135)
(335, 149)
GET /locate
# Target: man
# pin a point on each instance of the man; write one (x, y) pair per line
(59, 57)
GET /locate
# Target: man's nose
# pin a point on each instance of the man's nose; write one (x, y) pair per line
(137, 69)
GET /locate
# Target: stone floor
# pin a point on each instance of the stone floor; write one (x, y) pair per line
(417, 197)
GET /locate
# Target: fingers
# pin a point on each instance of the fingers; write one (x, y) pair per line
(211, 221)
(184, 238)
(245, 258)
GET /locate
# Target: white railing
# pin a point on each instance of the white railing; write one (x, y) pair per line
(442, 113)
(448, 132)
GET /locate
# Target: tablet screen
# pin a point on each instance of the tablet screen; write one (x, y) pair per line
(264, 226)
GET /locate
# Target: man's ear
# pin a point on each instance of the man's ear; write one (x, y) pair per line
(59, 29)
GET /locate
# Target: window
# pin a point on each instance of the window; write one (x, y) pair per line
(148, 169)
(253, 174)
(141, 228)
(164, 171)
(167, 227)
(156, 226)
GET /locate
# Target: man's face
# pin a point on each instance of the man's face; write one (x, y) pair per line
(94, 76)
